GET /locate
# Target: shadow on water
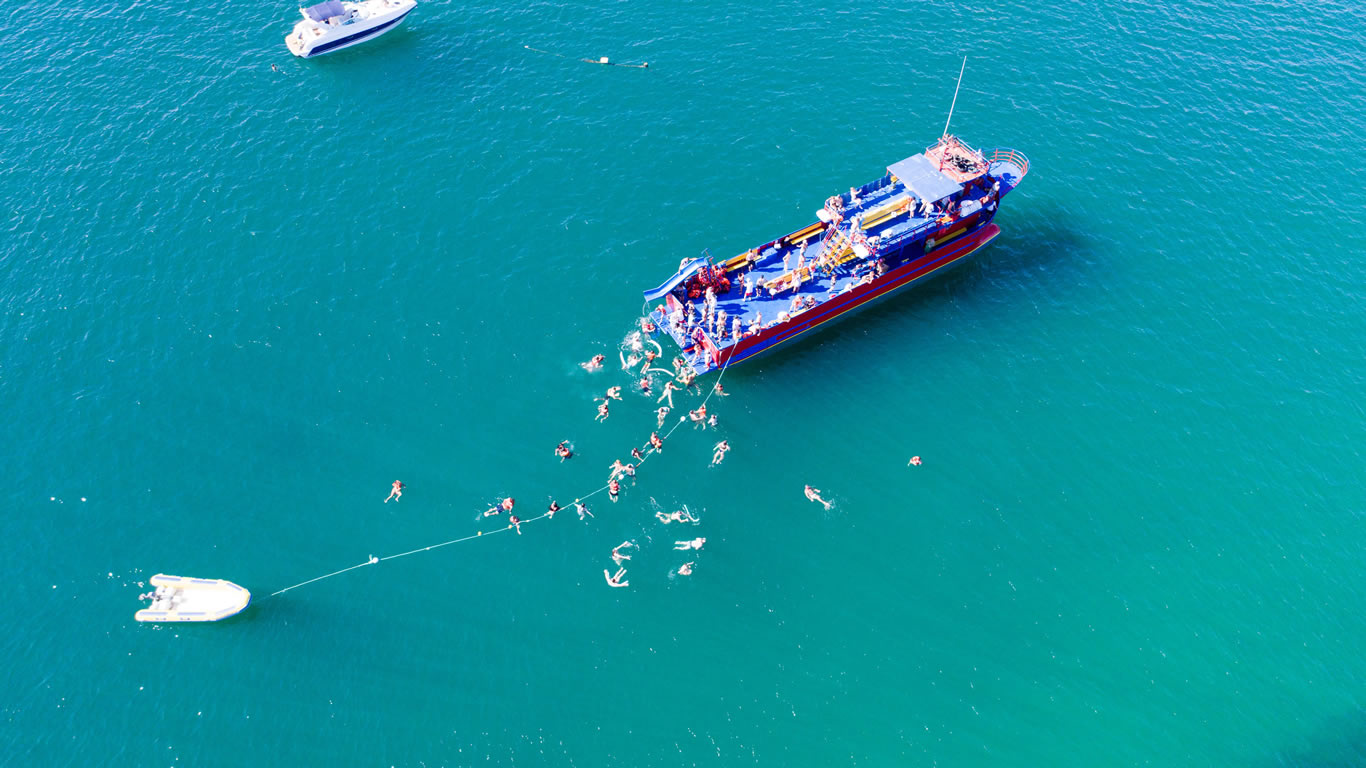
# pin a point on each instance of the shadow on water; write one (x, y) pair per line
(1025, 255)
(1339, 743)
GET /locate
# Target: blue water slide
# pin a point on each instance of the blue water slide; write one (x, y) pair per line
(686, 272)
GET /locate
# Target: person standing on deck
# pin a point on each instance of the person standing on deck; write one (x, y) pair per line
(735, 328)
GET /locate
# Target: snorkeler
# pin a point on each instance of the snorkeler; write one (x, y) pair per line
(396, 491)
(814, 494)
(694, 544)
(615, 581)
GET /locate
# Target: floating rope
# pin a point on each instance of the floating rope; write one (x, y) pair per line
(543, 516)
(603, 60)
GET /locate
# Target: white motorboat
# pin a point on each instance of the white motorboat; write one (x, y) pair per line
(334, 25)
(177, 598)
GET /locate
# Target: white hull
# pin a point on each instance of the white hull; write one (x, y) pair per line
(363, 21)
(178, 598)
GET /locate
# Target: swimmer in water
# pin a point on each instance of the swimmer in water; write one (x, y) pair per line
(550, 513)
(635, 454)
(630, 471)
(711, 421)
(613, 488)
(617, 469)
(814, 494)
(685, 569)
(503, 506)
(699, 416)
(656, 442)
(694, 544)
(717, 389)
(720, 452)
(677, 516)
(395, 492)
(615, 581)
(602, 411)
(614, 393)
(617, 557)
(915, 460)
(662, 413)
(594, 364)
(562, 450)
(513, 522)
(669, 390)
(627, 363)
(582, 509)
(645, 386)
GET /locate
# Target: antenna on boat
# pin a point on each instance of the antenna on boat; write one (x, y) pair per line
(955, 95)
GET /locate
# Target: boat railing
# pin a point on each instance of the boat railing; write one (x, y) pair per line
(1012, 156)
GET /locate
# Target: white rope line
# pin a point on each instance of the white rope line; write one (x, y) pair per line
(545, 515)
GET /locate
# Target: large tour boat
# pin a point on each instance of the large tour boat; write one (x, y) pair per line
(927, 214)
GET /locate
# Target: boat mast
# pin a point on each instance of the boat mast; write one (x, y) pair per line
(955, 95)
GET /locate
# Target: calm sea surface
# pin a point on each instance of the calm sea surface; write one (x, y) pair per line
(235, 304)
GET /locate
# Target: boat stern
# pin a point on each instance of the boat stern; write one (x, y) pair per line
(1008, 167)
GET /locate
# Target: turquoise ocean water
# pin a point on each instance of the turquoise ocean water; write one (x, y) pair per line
(236, 304)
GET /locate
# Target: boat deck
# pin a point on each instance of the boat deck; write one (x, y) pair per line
(884, 214)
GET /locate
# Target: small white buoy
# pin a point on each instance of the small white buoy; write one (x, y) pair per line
(604, 60)
(373, 559)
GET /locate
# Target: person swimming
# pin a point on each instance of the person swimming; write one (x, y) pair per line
(699, 416)
(617, 557)
(503, 506)
(582, 509)
(615, 581)
(396, 491)
(554, 507)
(613, 489)
(594, 364)
(563, 451)
(720, 452)
(814, 494)
(656, 442)
(617, 469)
(694, 544)
(602, 411)
(662, 413)
(614, 393)
(685, 569)
(514, 522)
(669, 390)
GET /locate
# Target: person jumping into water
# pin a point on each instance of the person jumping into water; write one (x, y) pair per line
(617, 557)
(396, 491)
(694, 544)
(615, 581)
(814, 494)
